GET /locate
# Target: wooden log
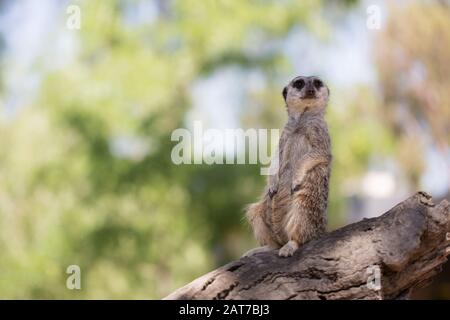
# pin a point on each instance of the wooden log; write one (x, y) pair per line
(380, 258)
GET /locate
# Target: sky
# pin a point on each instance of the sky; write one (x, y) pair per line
(37, 43)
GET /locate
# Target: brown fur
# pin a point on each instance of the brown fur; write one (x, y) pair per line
(292, 210)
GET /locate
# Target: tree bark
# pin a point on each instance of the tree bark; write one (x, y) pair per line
(403, 249)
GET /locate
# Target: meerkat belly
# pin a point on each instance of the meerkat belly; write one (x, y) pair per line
(313, 197)
(281, 203)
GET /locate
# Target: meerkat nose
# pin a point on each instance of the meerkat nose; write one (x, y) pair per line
(310, 92)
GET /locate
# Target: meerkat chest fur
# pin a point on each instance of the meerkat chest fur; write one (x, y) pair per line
(302, 136)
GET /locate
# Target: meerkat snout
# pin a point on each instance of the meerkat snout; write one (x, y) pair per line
(310, 93)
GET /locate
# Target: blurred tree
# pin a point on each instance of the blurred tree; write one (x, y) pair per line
(412, 53)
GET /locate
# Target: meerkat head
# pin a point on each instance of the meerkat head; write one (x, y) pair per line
(306, 93)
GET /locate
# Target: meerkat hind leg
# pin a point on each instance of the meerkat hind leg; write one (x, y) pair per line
(288, 249)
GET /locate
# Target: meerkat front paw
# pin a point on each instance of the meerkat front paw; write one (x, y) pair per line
(288, 249)
(273, 186)
(295, 188)
(296, 185)
(272, 191)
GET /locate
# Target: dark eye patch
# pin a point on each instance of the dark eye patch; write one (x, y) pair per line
(284, 93)
(299, 84)
(318, 84)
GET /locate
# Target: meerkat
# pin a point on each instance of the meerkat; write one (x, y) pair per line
(292, 210)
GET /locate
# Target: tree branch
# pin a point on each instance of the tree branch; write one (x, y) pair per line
(407, 246)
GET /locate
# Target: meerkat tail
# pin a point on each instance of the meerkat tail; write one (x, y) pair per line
(255, 215)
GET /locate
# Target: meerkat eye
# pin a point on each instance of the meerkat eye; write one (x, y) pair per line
(299, 84)
(285, 93)
(318, 84)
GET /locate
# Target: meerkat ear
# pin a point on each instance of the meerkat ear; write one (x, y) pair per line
(285, 93)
